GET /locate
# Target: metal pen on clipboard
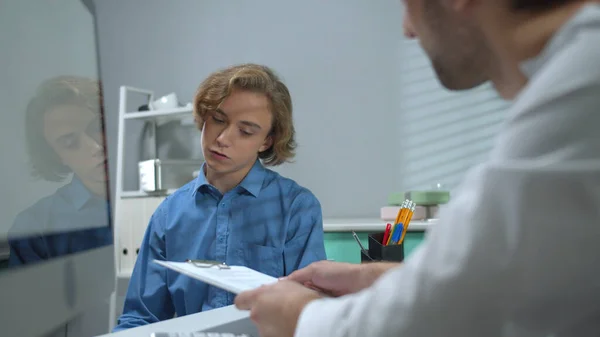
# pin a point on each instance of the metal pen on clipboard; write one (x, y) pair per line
(208, 264)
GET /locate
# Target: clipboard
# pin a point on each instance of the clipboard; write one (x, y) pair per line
(235, 279)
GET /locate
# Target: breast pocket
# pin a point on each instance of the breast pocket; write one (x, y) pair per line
(265, 259)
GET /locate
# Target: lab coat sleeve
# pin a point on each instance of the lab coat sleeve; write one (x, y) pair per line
(492, 259)
(439, 289)
(515, 253)
(515, 249)
(305, 242)
(148, 299)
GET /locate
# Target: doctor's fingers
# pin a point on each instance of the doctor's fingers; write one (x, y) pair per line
(247, 299)
(307, 274)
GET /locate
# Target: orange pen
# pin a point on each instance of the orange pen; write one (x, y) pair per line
(401, 213)
(407, 219)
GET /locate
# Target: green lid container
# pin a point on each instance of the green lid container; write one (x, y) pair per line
(421, 198)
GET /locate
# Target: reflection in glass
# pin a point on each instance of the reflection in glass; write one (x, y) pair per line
(65, 143)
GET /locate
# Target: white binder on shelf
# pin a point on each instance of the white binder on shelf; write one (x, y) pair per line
(235, 279)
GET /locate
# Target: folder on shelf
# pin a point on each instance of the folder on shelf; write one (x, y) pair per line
(235, 279)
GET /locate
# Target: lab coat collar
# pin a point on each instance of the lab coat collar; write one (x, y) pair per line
(586, 17)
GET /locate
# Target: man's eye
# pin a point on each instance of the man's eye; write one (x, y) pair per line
(69, 143)
(220, 121)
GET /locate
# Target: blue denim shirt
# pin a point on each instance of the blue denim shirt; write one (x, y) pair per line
(268, 223)
(69, 221)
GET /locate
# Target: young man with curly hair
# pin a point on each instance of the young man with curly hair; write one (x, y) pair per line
(236, 211)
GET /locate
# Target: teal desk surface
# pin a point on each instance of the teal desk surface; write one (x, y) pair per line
(341, 246)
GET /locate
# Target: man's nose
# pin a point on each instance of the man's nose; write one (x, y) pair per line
(224, 138)
(93, 145)
(408, 28)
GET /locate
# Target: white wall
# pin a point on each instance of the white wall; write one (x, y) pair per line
(40, 40)
(363, 131)
(337, 57)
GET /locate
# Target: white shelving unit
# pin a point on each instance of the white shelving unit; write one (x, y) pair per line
(154, 117)
(134, 208)
(160, 116)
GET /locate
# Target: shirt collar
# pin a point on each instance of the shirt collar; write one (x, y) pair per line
(587, 15)
(252, 182)
(76, 193)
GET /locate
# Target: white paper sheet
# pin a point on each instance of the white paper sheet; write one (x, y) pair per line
(237, 279)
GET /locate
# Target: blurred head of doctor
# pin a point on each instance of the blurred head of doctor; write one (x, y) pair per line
(470, 42)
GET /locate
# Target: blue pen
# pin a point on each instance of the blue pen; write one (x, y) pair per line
(397, 234)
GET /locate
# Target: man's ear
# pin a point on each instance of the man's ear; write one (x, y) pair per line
(267, 144)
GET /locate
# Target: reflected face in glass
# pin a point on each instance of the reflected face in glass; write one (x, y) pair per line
(75, 134)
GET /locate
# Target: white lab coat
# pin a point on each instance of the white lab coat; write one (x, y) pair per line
(517, 250)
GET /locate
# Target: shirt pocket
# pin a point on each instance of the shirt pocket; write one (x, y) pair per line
(265, 259)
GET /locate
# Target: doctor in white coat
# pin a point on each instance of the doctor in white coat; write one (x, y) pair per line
(517, 250)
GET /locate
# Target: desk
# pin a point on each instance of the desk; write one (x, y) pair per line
(341, 246)
(370, 225)
(226, 319)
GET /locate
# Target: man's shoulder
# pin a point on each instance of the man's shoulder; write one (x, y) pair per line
(36, 215)
(570, 63)
(178, 196)
(553, 118)
(184, 191)
(286, 186)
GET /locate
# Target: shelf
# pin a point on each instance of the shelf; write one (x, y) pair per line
(195, 162)
(161, 116)
(125, 273)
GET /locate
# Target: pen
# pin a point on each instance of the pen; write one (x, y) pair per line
(399, 217)
(358, 241)
(407, 221)
(362, 248)
(386, 234)
(398, 234)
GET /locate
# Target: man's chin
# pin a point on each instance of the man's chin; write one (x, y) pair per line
(217, 166)
(97, 179)
(96, 186)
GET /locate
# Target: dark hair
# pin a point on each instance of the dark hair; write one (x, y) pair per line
(45, 163)
(538, 5)
(257, 78)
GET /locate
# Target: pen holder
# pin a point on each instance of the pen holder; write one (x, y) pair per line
(378, 252)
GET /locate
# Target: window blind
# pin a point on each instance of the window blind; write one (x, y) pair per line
(442, 133)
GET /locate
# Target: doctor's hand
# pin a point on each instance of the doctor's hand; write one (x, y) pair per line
(275, 308)
(338, 279)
